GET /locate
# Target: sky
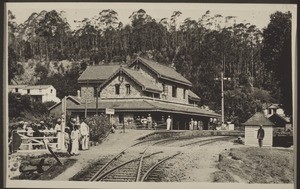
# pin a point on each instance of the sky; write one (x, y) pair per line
(256, 14)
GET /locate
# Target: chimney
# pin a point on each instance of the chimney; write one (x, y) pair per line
(78, 93)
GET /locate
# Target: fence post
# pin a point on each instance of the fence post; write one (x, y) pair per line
(63, 124)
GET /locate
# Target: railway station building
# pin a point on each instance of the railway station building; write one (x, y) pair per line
(136, 90)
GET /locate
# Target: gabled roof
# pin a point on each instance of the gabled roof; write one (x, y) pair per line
(38, 86)
(137, 77)
(193, 95)
(285, 119)
(258, 119)
(98, 73)
(162, 71)
(74, 98)
(142, 80)
(30, 86)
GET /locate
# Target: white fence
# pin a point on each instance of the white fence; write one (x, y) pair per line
(31, 143)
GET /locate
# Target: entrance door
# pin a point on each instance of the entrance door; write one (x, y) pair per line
(121, 118)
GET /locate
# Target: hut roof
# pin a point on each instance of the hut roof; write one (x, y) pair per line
(258, 119)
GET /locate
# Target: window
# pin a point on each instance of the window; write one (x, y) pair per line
(174, 91)
(127, 89)
(270, 111)
(137, 67)
(51, 90)
(183, 93)
(95, 92)
(165, 89)
(17, 90)
(28, 91)
(117, 89)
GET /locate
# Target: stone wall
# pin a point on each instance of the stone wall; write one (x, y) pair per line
(109, 90)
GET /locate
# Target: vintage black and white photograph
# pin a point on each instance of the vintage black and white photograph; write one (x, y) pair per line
(102, 93)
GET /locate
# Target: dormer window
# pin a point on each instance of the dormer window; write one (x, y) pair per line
(137, 67)
(127, 89)
(117, 89)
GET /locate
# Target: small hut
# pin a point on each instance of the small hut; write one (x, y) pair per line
(252, 126)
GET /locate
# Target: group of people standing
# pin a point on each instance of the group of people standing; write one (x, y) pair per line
(76, 135)
(195, 125)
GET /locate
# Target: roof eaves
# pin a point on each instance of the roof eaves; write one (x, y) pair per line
(174, 80)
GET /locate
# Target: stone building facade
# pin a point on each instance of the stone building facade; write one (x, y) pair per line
(136, 90)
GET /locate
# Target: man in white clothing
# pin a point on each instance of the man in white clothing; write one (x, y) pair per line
(169, 123)
(84, 131)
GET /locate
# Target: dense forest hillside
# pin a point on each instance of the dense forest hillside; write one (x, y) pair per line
(45, 50)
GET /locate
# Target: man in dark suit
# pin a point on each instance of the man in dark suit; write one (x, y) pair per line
(260, 136)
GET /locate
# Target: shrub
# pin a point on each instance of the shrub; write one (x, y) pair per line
(99, 127)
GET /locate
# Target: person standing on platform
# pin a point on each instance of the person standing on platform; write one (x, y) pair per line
(169, 120)
(149, 121)
(84, 131)
(195, 127)
(75, 136)
(191, 124)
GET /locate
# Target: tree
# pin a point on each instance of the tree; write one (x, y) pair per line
(276, 53)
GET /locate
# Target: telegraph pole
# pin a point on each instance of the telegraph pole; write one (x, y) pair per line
(222, 78)
(222, 95)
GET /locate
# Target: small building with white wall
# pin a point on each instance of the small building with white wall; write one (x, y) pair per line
(252, 126)
(42, 93)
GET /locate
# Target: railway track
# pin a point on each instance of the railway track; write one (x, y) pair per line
(140, 167)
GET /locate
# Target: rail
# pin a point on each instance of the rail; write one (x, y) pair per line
(146, 175)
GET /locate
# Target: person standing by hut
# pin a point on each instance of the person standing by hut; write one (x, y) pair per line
(75, 136)
(260, 136)
(169, 120)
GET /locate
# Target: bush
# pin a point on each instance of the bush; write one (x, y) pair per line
(99, 127)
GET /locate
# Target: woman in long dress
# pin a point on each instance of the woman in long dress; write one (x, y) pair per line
(75, 136)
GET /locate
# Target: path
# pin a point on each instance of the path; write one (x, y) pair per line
(113, 144)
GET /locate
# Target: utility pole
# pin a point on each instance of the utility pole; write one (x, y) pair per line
(222, 95)
(222, 78)
(97, 94)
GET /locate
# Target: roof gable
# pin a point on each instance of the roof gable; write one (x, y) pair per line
(73, 98)
(98, 73)
(258, 119)
(193, 95)
(275, 115)
(137, 77)
(162, 71)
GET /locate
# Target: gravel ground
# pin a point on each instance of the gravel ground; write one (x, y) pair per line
(112, 145)
(194, 164)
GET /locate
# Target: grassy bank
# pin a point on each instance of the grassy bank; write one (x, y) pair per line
(255, 165)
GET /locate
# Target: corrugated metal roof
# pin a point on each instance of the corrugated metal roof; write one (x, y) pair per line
(29, 86)
(165, 71)
(146, 105)
(98, 73)
(258, 119)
